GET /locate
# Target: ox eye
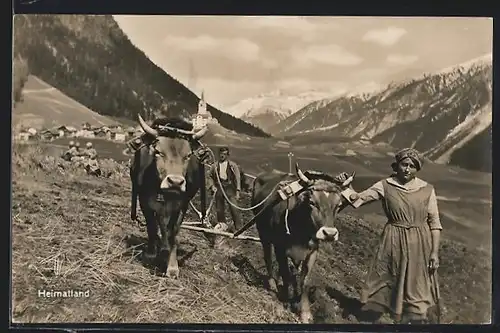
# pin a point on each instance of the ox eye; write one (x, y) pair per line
(313, 204)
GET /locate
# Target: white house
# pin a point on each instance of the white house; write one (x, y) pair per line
(23, 136)
(120, 137)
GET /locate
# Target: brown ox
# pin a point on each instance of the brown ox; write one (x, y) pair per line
(165, 177)
(296, 234)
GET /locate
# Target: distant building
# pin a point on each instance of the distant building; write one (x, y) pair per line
(70, 131)
(85, 133)
(23, 136)
(100, 132)
(121, 137)
(32, 131)
(203, 117)
(49, 134)
(116, 128)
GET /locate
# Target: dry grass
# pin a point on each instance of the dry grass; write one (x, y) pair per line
(61, 213)
(83, 222)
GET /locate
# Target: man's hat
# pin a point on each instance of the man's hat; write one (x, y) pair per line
(224, 149)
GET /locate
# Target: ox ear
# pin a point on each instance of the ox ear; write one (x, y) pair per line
(304, 196)
(143, 159)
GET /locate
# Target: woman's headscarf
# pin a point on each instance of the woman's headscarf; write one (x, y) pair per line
(411, 153)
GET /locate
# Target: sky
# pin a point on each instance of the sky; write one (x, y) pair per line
(232, 58)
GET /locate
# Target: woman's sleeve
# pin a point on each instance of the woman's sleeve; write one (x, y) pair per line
(373, 193)
(433, 213)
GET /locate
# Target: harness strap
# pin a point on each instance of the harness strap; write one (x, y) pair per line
(286, 216)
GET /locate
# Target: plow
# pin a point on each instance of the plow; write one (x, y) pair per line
(204, 225)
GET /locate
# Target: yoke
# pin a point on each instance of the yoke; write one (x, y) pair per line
(287, 189)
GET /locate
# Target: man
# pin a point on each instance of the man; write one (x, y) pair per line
(77, 157)
(91, 164)
(89, 151)
(230, 183)
(72, 151)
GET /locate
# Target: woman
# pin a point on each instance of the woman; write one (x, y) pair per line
(399, 278)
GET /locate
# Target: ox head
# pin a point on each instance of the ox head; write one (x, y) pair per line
(322, 200)
(172, 147)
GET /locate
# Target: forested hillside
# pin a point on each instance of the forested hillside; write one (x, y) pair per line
(91, 60)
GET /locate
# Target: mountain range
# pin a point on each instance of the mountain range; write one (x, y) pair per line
(91, 60)
(438, 114)
(265, 110)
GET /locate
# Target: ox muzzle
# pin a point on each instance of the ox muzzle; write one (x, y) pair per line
(173, 182)
(327, 234)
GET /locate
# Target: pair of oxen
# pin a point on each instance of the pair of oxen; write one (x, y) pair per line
(166, 175)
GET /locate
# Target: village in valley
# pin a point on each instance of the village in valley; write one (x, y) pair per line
(113, 133)
(116, 132)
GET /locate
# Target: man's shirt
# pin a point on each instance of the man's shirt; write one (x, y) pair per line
(223, 170)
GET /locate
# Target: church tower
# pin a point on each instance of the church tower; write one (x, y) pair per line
(203, 117)
(202, 106)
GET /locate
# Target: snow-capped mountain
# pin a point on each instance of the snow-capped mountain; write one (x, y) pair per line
(437, 113)
(266, 110)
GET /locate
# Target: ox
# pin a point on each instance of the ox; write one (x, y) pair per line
(165, 175)
(296, 226)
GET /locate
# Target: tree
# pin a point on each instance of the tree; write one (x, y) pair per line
(20, 72)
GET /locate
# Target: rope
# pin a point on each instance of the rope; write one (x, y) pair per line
(226, 197)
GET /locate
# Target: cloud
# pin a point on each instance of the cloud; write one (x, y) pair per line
(236, 48)
(401, 59)
(300, 85)
(303, 27)
(331, 54)
(221, 92)
(388, 36)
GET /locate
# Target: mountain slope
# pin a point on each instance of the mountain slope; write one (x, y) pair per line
(476, 154)
(266, 110)
(437, 114)
(44, 106)
(91, 60)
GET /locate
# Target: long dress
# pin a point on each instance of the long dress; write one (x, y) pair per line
(398, 279)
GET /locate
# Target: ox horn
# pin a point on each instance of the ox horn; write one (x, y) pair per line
(301, 175)
(349, 180)
(200, 133)
(148, 129)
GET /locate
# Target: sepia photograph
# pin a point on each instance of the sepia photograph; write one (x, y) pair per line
(251, 169)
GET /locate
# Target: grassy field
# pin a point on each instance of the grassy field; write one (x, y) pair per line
(60, 213)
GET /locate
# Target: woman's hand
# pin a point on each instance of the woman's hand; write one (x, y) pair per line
(433, 261)
(342, 177)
